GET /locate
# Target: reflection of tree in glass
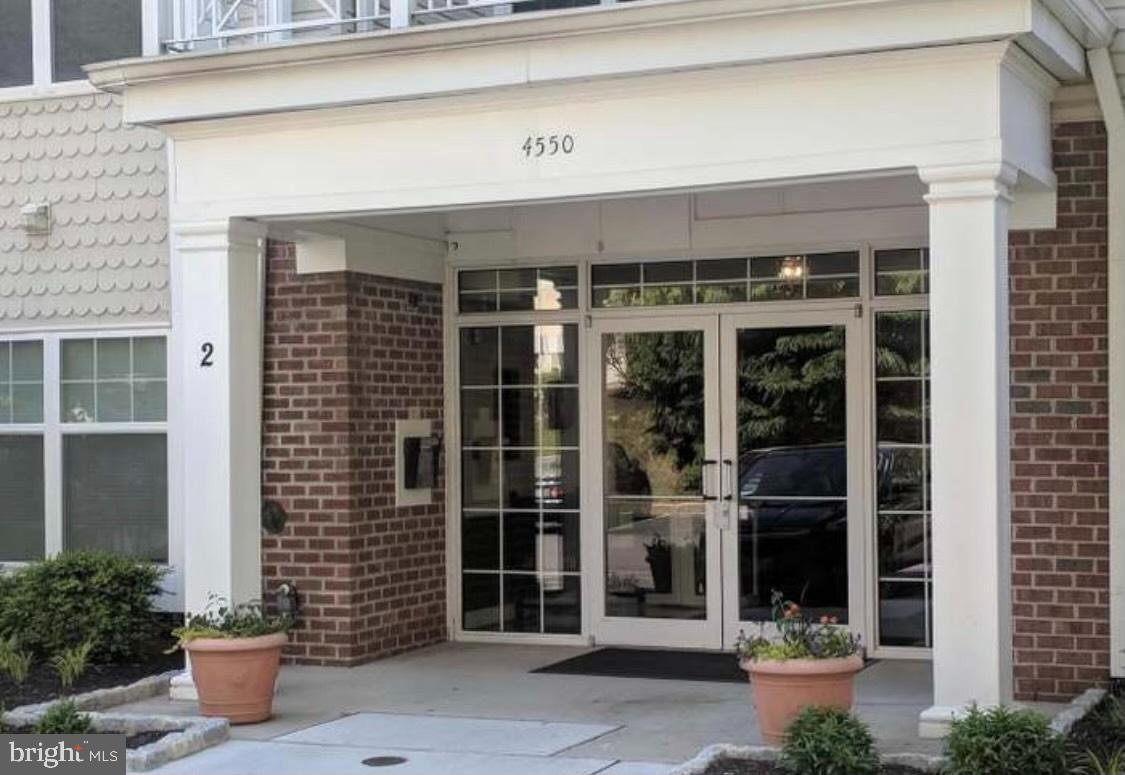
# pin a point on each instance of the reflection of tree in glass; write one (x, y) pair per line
(665, 371)
(901, 355)
(791, 387)
(899, 350)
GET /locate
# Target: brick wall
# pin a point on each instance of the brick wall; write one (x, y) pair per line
(345, 356)
(1060, 542)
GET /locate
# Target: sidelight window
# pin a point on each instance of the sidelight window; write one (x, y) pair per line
(902, 477)
(520, 478)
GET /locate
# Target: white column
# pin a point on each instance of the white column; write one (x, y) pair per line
(971, 548)
(215, 408)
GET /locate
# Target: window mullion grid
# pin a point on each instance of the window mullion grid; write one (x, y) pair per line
(927, 513)
(500, 457)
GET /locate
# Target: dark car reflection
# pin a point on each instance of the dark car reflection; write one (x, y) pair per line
(793, 534)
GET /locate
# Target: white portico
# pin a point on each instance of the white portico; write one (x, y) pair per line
(623, 119)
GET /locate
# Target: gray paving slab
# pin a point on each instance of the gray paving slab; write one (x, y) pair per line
(252, 757)
(450, 733)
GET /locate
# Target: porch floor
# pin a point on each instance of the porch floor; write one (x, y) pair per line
(634, 721)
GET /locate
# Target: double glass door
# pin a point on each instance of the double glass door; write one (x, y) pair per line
(730, 469)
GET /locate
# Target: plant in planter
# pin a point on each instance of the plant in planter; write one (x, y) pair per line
(799, 665)
(235, 654)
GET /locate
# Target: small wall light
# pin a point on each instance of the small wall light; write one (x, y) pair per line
(792, 268)
(36, 218)
(286, 599)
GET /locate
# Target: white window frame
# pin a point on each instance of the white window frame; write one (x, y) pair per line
(42, 86)
(53, 430)
(867, 301)
(454, 321)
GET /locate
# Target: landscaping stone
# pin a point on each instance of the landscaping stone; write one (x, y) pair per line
(186, 734)
(725, 759)
(1079, 707)
(99, 699)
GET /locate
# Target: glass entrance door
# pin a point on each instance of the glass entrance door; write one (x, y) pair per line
(729, 468)
(660, 535)
(791, 438)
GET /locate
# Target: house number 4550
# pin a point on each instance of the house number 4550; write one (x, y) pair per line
(548, 145)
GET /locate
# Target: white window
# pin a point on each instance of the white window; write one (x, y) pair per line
(84, 446)
(44, 43)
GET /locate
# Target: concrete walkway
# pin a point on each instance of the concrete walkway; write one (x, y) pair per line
(629, 724)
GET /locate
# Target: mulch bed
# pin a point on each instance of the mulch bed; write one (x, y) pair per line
(144, 738)
(746, 767)
(1102, 730)
(42, 682)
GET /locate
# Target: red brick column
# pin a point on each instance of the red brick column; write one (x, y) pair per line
(1060, 431)
(345, 356)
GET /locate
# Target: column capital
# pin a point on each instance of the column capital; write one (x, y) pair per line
(962, 182)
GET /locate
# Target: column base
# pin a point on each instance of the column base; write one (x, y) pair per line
(934, 722)
(182, 688)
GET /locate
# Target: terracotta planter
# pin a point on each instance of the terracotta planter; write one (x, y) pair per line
(782, 689)
(235, 677)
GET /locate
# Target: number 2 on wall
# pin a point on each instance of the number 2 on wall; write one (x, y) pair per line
(208, 351)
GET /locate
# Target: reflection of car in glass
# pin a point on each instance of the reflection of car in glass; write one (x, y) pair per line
(793, 521)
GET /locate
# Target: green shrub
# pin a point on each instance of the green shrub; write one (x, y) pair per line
(63, 718)
(13, 660)
(60, 603)
(1092, 763)
(829, 741)
(1004, 741)
(70, 664)
(17, 665)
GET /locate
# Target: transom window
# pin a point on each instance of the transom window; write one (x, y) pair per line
(726, 280)
(902, 272)
(518, 290)
(90, 469)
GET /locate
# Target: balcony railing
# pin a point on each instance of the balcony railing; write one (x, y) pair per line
(193, 25)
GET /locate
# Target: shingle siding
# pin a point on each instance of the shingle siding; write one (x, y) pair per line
(105, 261)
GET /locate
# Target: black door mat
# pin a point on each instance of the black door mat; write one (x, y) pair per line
(667, 664)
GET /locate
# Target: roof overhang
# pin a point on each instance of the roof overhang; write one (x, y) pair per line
(578, 45)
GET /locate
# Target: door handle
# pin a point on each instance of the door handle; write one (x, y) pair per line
(704, 466)
(726, 480)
